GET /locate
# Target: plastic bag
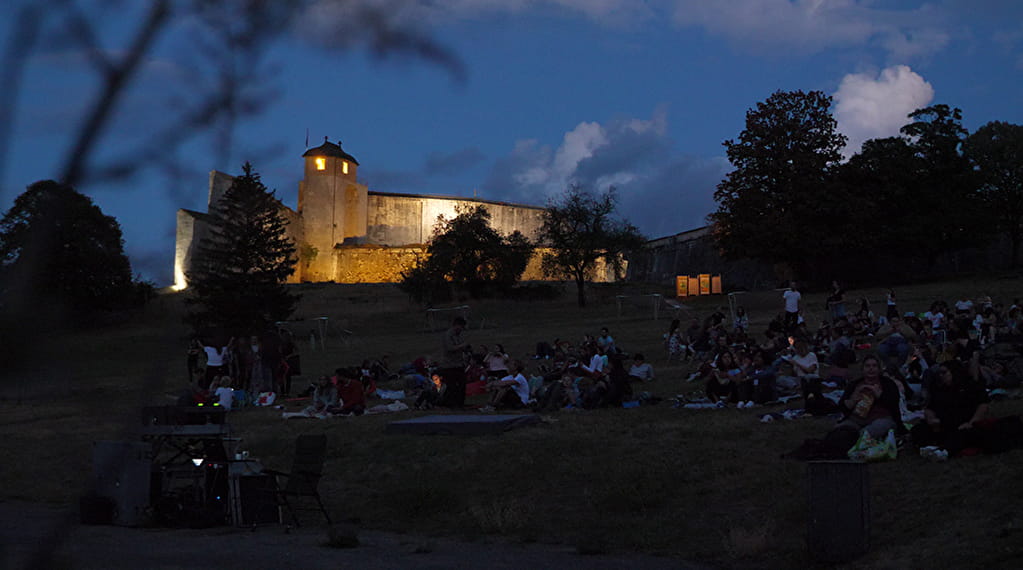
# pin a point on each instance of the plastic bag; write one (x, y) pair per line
(870, 450)
(266, 399)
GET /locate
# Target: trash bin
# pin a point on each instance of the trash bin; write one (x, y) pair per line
(839, 510)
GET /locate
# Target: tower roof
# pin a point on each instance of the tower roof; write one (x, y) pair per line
(330, 149)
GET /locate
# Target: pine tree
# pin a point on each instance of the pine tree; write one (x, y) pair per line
(239, 272)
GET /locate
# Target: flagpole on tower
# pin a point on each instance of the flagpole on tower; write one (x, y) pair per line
(307, 137)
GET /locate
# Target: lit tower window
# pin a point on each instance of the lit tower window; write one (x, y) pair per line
(344, 167)
(321, 163)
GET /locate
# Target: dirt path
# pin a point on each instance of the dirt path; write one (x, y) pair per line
(27, 529)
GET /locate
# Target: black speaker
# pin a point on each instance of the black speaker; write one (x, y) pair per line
(257, 501)
(122, 472)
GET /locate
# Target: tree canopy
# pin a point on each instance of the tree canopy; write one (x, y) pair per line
(239, 271)
(467, 253)
(769, 205)
(996, 150)
(56, 246)
(948, 189)
(900, 202)
(581, 229)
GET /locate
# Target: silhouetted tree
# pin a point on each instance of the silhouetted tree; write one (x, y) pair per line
(239, 272)
(948, 189)
(883, 190)
(466, 252)
(777, 205)
(997, 151)
(580, 229)
(57, 247)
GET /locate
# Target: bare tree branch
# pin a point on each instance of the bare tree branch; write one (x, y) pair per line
(113, 88)
(25, 30)
(82, 30)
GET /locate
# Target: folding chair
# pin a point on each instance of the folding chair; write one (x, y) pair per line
(304, 478)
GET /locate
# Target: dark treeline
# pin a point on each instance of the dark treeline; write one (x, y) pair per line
(894, 210)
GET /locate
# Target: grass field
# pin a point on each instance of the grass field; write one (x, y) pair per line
(697, 484)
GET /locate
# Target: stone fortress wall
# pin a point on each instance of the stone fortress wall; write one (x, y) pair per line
(346, 234)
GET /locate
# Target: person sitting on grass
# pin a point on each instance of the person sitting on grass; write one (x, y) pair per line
(350, 392)
(895, 340)
(595, 366)
(640, 371)
(605, 342)
(475, 370)
(495, 361)
(760, 375)
(616, 383)
(221, 392)
(324, 397)
(871, 403)
(723, 381)
(807, 369)
(676, 343)
(510, 392)
(956, 403)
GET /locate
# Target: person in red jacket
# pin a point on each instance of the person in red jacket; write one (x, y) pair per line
(350, 391)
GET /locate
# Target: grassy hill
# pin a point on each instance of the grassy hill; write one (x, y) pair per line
(698, 484)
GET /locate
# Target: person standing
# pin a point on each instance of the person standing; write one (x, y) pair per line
(792, 297)
(836, 302)
(214, 364)
(289, 352)
(195, 349)
(452, 365)
(891, 302)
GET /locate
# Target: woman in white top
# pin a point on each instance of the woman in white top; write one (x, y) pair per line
(496, 362)
(807, 369)
(215, 364)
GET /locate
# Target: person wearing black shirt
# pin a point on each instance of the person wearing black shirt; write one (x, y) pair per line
(955, 405)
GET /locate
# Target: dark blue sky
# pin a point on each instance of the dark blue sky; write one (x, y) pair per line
(639, 95)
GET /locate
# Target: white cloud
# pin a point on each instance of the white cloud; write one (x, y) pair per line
(868, 107)
(579, 144)
(660, 190)
(814, 25)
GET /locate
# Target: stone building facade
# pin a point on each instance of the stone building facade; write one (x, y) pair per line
(694, 252)
(348, 234)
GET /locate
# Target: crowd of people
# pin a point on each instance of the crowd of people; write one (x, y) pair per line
(921, 374)
(232, 373)
(260, 363)
(591, 374)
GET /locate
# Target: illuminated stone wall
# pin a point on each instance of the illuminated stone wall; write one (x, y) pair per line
(383, 264)
(373, 263)
(400, 219)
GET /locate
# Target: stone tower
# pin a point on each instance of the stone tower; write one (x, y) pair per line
(333, 207)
